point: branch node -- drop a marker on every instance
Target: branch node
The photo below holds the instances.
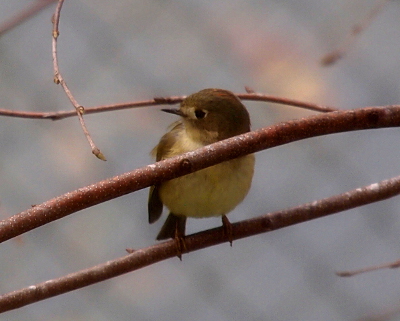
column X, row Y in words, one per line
column 186, row 164
column 56, row 79
column 249, row 90
column 96, row 152
column 56, row 33
column 80, row 110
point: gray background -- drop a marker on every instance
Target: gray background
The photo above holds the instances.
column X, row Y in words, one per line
column 120, row 51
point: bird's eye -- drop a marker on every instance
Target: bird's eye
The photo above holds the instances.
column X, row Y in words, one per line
column 200, row 113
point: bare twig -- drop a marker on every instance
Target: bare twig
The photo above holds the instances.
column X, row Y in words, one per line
column 285, row 101
column 159, row 252
column 387, row 314
column 58, row 79
column 24, row 14
column 92, row 110
column 351, row 38
column 391, row 265
column 159, row 101
column 249, row 90
column 324, row 124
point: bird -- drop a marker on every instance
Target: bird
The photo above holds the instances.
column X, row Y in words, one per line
column 206, row 117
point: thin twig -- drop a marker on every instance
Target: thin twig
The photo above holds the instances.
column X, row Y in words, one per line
column 58, row 79
column 387, row 314
column 391, row 265
column 280, row 134
column 159, row 101
column 24, row 14
column 285, row 101
column 159, row 252
column 249, row 90
column 353, row 35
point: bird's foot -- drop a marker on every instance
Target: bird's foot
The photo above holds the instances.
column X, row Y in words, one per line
column 181, row 247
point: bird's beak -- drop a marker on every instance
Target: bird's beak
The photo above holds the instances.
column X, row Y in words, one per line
column 174, row 111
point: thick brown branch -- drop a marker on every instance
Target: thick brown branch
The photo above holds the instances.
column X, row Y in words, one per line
column 156, row 253
column 234, row 147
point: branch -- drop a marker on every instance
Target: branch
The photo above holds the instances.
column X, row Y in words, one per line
column 349, row 41
column 24, row 14
column 285, row 101
column 390, row 265
column 159, row 252
column 160, row 101
column 58, row 79
column 387, row 314
column 283, row 133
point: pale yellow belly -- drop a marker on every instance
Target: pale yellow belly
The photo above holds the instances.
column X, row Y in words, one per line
column 213, row 191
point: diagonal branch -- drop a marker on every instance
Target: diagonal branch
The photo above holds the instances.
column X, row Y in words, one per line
column 285, row 101
column 349, row 41
column 159, row 252
column 283, row 133
column 390, row 265
column 24, row 14
column 58, row 79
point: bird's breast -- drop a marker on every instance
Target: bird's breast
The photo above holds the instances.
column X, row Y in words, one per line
column 211, row 191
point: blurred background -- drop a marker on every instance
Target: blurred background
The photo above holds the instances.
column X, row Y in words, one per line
column 121, row 51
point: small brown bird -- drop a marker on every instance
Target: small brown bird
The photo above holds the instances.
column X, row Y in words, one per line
column 207, row 116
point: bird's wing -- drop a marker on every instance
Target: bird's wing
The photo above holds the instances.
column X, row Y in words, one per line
column 161, row 151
